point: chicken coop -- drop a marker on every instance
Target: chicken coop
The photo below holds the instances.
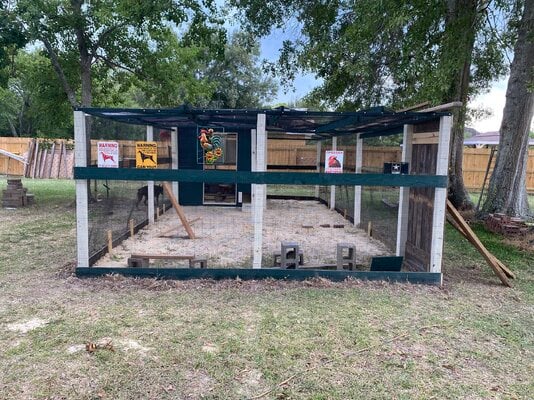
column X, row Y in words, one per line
column 270, row 193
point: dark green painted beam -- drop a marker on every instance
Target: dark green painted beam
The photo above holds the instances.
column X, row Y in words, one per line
column 271, row 178
column 430, row 278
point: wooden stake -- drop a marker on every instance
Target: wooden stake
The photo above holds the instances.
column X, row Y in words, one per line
column 179, row 210
column 131, row 223
column 345, row 213
column 157, row 212
column 490, row 258
column 110, row 240
column 370, row 229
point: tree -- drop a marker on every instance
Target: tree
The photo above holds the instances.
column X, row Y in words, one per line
column 82, row 38
column 238, row 79
column 11, row 39
column 393, row 52
column 507, row 191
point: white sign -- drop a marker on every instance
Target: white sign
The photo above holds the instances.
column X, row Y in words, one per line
column 108, row 155
column 333, row 162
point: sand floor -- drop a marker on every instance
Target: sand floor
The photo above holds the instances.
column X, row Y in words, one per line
column 225, row 236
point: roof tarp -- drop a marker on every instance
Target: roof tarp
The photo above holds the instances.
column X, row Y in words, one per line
column 378, row 121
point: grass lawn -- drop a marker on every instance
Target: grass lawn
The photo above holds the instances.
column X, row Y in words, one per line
column 471, row 339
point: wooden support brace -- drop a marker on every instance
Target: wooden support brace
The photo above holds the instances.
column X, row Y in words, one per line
column 472, row 237
column 179, row 210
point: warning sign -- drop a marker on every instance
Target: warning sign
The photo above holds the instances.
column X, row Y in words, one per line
column 146, row 154
column 333, row 162
column 108, row 154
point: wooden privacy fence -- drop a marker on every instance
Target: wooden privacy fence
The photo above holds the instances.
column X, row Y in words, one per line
column 54, row 158
column 476, row 162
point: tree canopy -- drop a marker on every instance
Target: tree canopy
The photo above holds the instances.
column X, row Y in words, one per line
column 394, row 52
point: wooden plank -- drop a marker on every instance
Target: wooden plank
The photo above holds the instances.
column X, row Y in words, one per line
column 490, row 258
column 280, row 178
column 61, row 145
column 35, row 159
column 27, row 165
column 453, row 222
column 65, row 161
column 263, row 273
column 163, row 256
column 53, row 154
column 179, row 210
column 42, row 168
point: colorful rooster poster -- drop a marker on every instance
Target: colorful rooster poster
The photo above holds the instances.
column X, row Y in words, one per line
column 212, row 145
column 333, row 162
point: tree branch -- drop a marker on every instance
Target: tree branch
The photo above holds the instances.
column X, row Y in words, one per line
column 113, row 64
column 59, row 71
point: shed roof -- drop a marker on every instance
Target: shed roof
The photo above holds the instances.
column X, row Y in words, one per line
column 377, row 121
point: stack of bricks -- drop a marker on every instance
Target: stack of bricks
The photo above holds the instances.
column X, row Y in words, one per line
column 15, row 195
column 505, row 225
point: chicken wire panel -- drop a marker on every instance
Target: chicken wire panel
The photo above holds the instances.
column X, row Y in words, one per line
column 379, row 213
column 115, row 207
column 316, row 229
column 223, row 237
column 113, row 204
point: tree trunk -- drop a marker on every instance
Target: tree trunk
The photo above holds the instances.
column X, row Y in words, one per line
column 462, row 20
column 507, row 192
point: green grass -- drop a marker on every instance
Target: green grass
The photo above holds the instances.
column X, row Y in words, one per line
column 473, row 338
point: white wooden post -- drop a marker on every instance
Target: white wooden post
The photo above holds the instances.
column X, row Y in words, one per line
column 440, row 195
column 252, row 168
column 82, row 209
column 333, row 188
column 150, row 138
column 260, row 195
column 318, row 166
column 404, row 194
column 174, row 155
column 358, row 189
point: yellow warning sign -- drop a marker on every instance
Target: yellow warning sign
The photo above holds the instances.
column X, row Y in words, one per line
column 146, row 154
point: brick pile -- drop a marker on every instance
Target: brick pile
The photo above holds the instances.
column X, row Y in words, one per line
column 505, row 225
column 15, row 195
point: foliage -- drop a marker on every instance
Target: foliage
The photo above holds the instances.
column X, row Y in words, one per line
column 12, row 38
column 238, row 79
column 33, row 91
column 113, row 40
column 389, row 52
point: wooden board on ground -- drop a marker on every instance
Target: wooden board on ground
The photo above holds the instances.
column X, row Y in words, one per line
column 179, row 210
column 466, row 231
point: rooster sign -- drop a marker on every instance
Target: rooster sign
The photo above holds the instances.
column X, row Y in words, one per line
column 333, row 162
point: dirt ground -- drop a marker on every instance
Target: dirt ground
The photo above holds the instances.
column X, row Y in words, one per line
column 225, row 235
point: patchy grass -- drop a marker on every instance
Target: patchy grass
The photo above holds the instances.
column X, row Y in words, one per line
column 237, row 340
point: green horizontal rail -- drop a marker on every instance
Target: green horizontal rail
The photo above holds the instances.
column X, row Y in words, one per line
column 430, row 278
column 270, row 178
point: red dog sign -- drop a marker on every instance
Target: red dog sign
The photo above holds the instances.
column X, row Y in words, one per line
column 108, row 155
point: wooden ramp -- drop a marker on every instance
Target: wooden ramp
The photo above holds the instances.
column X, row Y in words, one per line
column 456, row 220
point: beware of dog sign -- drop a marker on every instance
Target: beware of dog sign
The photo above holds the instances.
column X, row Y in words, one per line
column 108, row 154
column 146, row 154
